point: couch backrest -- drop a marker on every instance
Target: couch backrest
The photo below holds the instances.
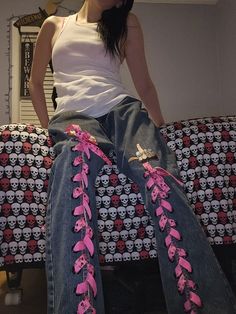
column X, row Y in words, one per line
column 206, row 156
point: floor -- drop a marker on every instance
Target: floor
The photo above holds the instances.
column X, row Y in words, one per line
column 118, row 288
column 34, row 296
column 33, row 284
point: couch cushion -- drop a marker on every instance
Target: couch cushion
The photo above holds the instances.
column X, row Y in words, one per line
column 125, row 227
column 26, row 156
column 206, row 156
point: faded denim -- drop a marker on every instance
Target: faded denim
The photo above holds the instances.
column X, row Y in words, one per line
column 121, row 129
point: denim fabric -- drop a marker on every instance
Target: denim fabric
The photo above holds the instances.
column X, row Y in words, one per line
column 121, row 129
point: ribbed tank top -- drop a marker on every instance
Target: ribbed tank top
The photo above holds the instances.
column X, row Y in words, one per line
column 87, row 79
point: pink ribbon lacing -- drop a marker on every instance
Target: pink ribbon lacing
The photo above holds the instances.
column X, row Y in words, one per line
column 88, row 286
column 183, row 268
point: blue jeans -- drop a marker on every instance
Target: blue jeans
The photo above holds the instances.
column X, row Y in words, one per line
column 125, row 126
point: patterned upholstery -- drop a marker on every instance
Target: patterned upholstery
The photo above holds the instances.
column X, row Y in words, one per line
column 206, row 156
column 26, row 156
column 126, row 231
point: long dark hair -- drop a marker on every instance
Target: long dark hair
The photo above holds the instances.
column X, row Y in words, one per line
column 112, row 27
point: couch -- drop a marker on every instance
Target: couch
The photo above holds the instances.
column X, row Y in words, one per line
column 205, row 150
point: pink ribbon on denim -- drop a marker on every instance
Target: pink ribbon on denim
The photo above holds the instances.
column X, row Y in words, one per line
column 84, row 306
column 86, row 143
column 159, row 192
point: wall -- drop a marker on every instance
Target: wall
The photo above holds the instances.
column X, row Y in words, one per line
column 227, row 53
column 181, row 52
column 182, row 48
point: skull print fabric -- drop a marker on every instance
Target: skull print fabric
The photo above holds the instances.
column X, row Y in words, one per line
column 125, row 228
column 205, row 151
column 206, row 156
column 26, row 157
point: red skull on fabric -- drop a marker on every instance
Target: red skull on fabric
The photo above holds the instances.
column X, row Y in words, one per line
column 232, row 180
column 193, row 162
column 141, row 232
column 6, row 209
column 30, row 220
column 118, row 224
column 230, row 157
column 30, row 128
column 28, row 196
column 139, row 209
column 114, row 179
column 144, row 255
column 46, row 184
column 199, row 208
column 4, row 184
column 49, row 141
column 32, row 245
column 5, row 135
column 213, row 170
column 209, row 147
column 222, row 216
column 7, row 235
column 26, row 171
column 202, row 128
column 187, row 141
column 217, row 193
column 120, row 246
column 27, row 147
column 9, row 259
column 196, row 184
column 227, row 240
column 225, row 135
column 177, row 125
column 47, row 161
column 135, row 187
column 115, row 200
column 4, row 159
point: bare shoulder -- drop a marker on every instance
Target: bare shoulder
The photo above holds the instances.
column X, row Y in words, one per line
column 135, row 33
column 54, row 19
column 53, row 22
column 134, row 28
column 50, row 29
column 132, row 20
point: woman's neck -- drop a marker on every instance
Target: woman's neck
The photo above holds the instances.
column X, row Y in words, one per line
column 89, row 13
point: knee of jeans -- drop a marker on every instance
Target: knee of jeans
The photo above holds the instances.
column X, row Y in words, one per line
column 63, row 146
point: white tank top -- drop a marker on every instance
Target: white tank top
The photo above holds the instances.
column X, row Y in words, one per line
column 87, row 79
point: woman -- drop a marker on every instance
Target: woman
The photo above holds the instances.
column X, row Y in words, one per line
column 94, row 115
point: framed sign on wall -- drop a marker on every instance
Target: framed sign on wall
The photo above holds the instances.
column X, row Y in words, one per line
column 22, row 109
column 27, row 48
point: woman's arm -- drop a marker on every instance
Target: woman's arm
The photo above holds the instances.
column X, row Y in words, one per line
column 136, row 61
column 42, row 56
